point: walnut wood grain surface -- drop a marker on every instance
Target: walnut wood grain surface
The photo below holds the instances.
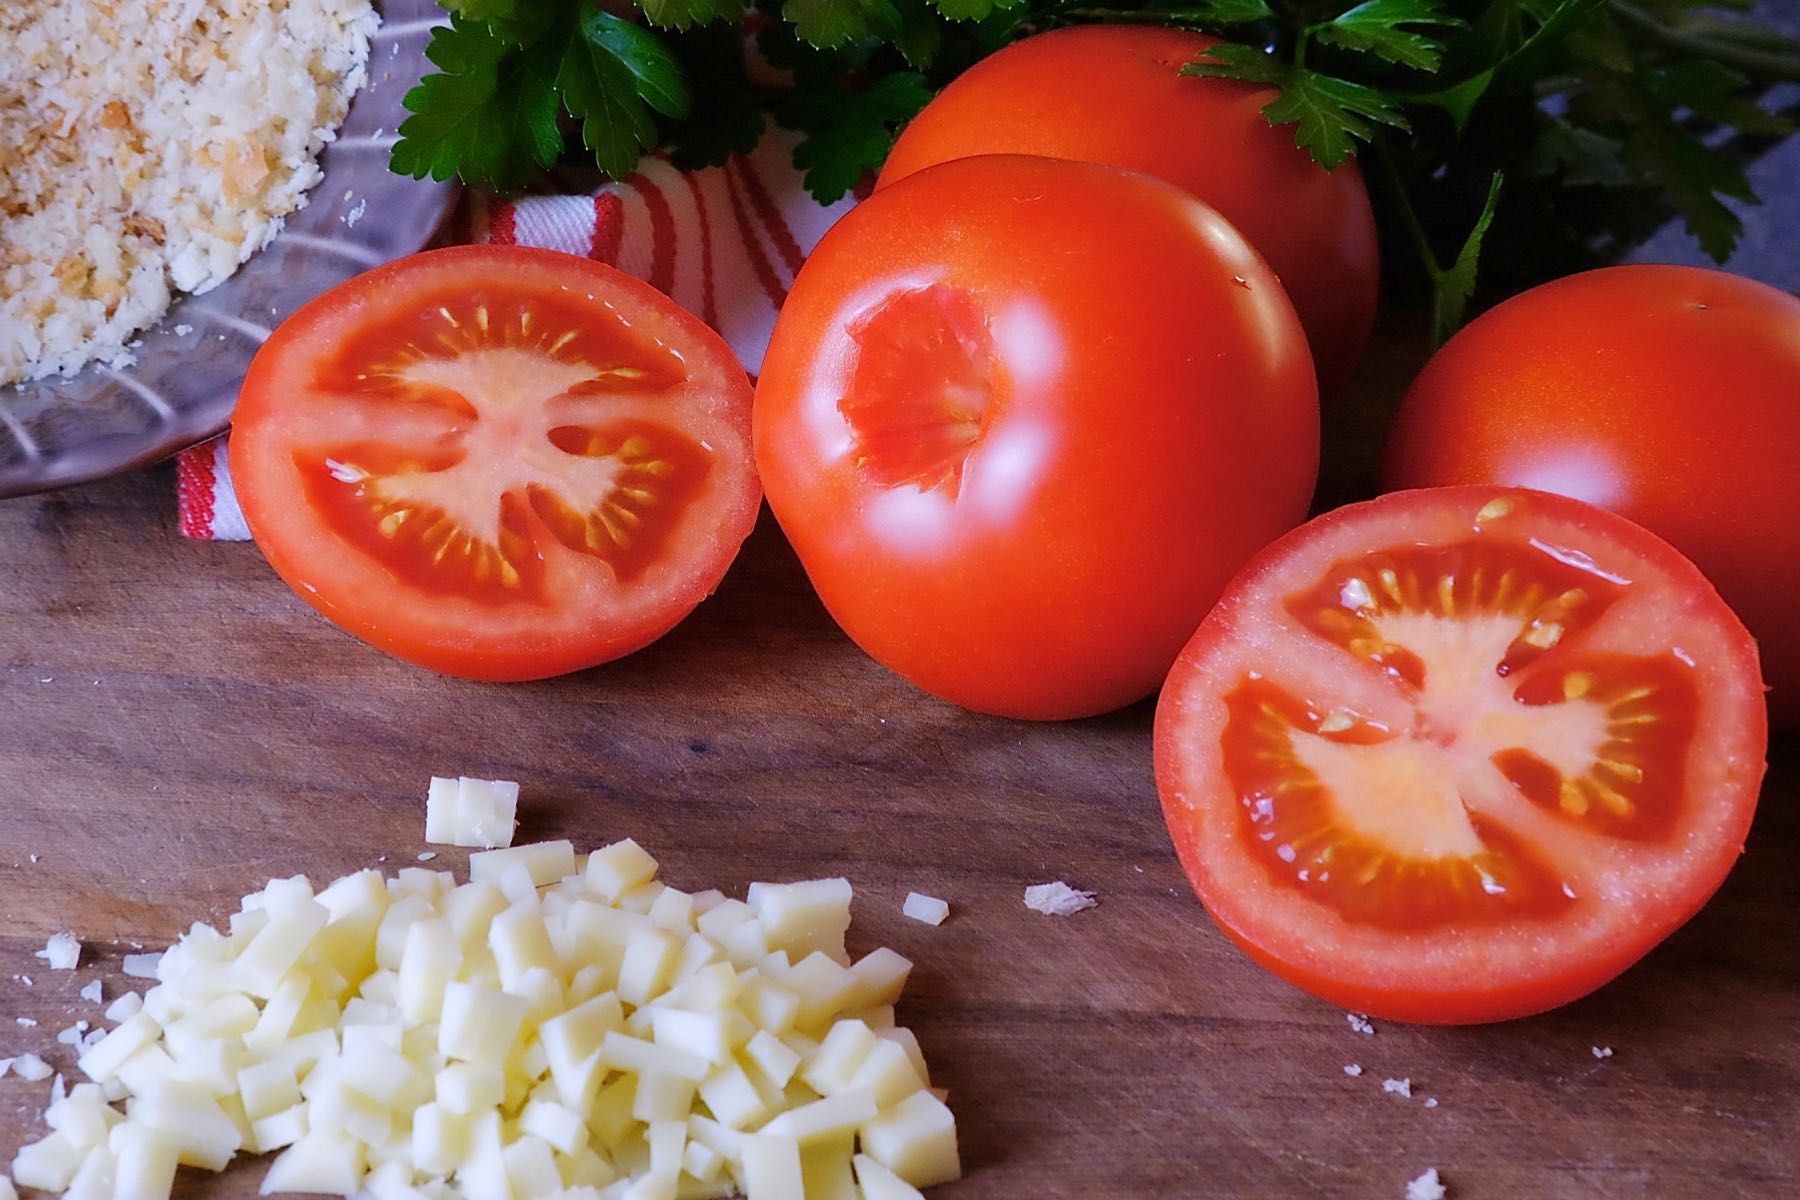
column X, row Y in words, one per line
column 176, row 728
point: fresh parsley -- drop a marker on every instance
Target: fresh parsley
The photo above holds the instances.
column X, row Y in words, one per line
column 1566, row 131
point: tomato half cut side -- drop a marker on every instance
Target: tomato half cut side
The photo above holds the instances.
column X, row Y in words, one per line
column 497, row 462
column 1461, row 754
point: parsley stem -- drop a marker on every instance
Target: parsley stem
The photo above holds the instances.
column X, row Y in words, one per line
column 1764, row 65
column 1403, row 202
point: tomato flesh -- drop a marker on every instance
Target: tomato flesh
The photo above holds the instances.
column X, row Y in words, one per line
column 1461, row 754
column 497, row 462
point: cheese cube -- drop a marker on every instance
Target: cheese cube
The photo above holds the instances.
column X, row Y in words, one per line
column 427, row 964
column 916, row 1140
column 668, row 1142
column 146, row 1069
column 280, row 1014
column 440, row 1139
column 825, row 989
column 887, row 1074
column 771, row 1169
column 929, row 909
column 520, row 941
column 830, row 1119
column 47, row 1165
column 662, row 1097
column 673, row 910
column 531, row 1168
column 587, row 982
column 479, row 1024
column 277, row 946
column 613, row 870
column 213, row 1064
column 825, row 1169
column 878, row 978
column 732, row 1098
column 471, row 812
column 95, row 1179
column 804, row 917
column 728, row 1144
column 146, row 1164
column 625, row 1053
column 382, row 1073
column 705, row 1034
column 609, row 1116
column 651, row 1187
column 544, row 862
column 648, row 964
column 879, row 1183
column 587, row 1168
column 104, row 1060
column 773, row 1058
column 328, row 1163
column 124, row 1007
column 559, row 1127
column 390, row 935
column 279, row 1129
column 768, row 1004
column 464, row 1088
column 908, row 1042
column 839, row 1056
column 82, row 1116
column 191, row 1119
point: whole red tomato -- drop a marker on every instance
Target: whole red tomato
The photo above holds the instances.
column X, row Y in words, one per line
column 1022, row 418
column 1668, row 394
column 1114, row 94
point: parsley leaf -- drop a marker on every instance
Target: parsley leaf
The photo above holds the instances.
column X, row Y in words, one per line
column 1379, row 27
column 518, row 22
column 973, row 10
column 829, row 23
column 1454, row 287
column 850, row 133
column 611, row 75
column 684, row 14
column 1330, row 114
column 1226, row 12
column 491, row 114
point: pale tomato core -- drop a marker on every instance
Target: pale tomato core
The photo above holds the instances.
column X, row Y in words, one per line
column 1407, row 827
column 483, row 410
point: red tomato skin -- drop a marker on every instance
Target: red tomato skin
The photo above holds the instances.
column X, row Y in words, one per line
column 1133, row 109
column 1670, row 395
column 1387, row 992
column 1159, row 424
column 360, row 597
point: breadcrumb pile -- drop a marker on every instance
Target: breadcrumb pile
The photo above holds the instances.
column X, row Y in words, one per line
column 149, row 147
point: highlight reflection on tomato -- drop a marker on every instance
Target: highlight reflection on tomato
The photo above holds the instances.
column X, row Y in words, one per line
column 1021, row 418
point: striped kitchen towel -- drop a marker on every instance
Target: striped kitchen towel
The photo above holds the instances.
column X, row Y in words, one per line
column 724, row 242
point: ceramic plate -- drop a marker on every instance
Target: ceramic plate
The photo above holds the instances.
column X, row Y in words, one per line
column 102, row 422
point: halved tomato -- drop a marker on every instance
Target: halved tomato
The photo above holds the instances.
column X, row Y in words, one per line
column 497, row 462
column 1461, row 754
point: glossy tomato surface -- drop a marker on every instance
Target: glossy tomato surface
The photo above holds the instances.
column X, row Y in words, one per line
column 1668, row 394
column 1022, row 418
column 1461, row 754
column 497, row 462
column 1114, row 94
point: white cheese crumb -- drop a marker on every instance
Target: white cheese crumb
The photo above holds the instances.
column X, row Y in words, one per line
column 7, row 1190
column 355, row 214
column 1426, row 1187
column 142, row 966
column 1602, row 1051
column 36, row 858
column 30, row 1068
column 26, row 1023
column 1431, row 1102
column 1399, row 1087
column 928, row 909
column 1353, row 1069
column 92, row 993
column 183, row 330
column 61, row 952
column 1360, row 1023
column 72, row 1035
column 1057, row 899
column 24, row 979
column 428, row 856
column 124, row 1007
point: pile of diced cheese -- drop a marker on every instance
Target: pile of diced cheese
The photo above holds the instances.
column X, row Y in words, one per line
column 560, row 1025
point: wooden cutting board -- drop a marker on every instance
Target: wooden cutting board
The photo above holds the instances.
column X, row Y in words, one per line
column 176, row 728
